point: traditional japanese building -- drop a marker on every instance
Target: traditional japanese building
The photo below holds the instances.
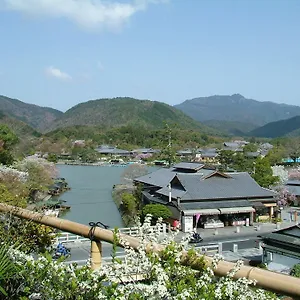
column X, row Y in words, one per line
column 199, row 196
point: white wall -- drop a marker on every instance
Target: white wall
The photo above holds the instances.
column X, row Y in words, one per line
column 280, row 262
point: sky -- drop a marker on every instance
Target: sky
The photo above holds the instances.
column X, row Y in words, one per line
column 59, row 53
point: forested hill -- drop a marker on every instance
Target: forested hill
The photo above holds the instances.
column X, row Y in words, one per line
column 35, row 116
column 289, row 127
column 21, row 129
column 117, row 112
column 236, row 108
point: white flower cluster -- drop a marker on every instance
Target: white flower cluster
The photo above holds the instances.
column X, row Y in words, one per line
column 25, row 165
column 141, row 275
column 281, row 172
column 5, row 170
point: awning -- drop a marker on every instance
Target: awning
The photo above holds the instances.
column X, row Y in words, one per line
column 236, row 210
column 207, row 211
column 258, row 204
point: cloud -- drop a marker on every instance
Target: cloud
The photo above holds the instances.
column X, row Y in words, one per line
column 57, row 73
column 91, row 14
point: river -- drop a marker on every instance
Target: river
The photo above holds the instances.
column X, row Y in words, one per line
column 90, row 195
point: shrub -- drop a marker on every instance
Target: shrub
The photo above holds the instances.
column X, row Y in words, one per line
column 164, row 276
column 295, row 271
column 156, row 211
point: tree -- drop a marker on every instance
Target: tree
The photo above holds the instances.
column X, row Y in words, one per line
column 129, row 204
column 251, row 147
column 156, row 211
column 263, row 174
column 241, row 163
column 7, row 140
column 52, row 157
column 295, row 271
column 293, row 148
column 275, row 155
column 226, row 158
column 133, row 171
column 40, row 173
column 169, row 153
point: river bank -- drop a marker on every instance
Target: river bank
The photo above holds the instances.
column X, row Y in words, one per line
column 117, row 191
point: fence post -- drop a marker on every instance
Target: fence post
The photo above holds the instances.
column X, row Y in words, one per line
column 235, row 248
column 220, row 248
column 96, row 255
column 164, row 227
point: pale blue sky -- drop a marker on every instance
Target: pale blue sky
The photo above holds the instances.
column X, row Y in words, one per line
column 63, row 52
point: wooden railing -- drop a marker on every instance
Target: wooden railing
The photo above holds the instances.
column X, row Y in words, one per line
column 279, row 283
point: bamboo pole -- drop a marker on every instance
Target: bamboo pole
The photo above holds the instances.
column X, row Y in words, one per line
column 96, row 255
column 276, row 282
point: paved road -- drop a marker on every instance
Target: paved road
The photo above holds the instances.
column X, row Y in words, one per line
column 244, row 242
column 80, row 251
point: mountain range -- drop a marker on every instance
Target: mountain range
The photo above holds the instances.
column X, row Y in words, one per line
column 289, row 127
column 248, row 113
column 119, row 111
column 235, row 115
column 39, row 118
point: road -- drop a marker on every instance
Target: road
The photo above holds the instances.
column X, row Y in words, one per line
column 243, row 242
column 80, row 251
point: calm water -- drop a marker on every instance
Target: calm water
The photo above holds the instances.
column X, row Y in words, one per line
column 90, row 195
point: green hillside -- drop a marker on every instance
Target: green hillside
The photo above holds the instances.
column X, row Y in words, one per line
column 35, row 116
column 21, row 129
column 116, row 112
column 289, row 127
column 130, row 137
column 234, row 128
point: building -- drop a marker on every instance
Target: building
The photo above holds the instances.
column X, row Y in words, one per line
column 281, row 249
column 145, row 151
column 79, row 143
column 293, row 187
column 199, row 196
column 112, row 151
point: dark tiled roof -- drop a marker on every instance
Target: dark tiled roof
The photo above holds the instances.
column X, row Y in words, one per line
column 188, row 166
column 252, row 154
column 209, row 154
column 215, row 204
column 158, row 178
column 241, row 185
column 290, row 235
column 175, row 193
column 184, row 152
column 146, row 150
column 163, row 176
column 112, row 151
column 293, row 189
column 293, row 182
column 231, row 145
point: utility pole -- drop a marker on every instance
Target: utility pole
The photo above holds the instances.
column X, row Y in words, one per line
column 169, row 147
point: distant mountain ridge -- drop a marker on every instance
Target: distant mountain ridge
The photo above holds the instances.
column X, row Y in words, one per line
column 122, row 111
column 35, row 116
column 236, row 108
column 21, row 129
column 289, row 127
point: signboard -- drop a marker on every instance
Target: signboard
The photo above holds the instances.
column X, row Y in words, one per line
column 187, row 223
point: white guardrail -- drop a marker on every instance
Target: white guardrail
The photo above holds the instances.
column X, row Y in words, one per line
column 66, row 237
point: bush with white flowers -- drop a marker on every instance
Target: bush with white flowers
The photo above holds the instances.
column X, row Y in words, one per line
column 163, row 276
column 281, row 172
